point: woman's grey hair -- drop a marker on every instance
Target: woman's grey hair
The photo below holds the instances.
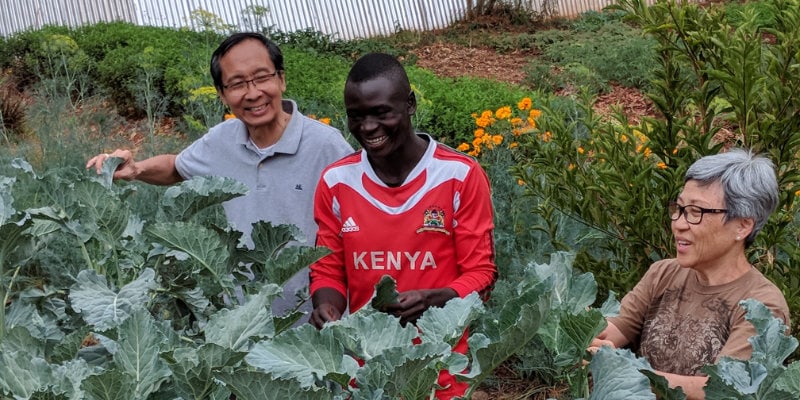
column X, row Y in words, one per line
column 748, row 182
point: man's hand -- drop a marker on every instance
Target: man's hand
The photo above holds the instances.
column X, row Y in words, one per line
column 329, row 305
column 411, row 304
column 126, row 171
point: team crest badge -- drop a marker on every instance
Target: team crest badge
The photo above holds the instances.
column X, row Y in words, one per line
column 433, row 220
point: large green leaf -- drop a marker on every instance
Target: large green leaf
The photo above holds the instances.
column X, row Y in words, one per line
column 22, row 374
column 193, row 369
column 616, row 376
column 755, row 378
column 182, row 201
column 447, row 324
column 517, row 324
column 103, row 307
column 200, row 250
column 276, row 256
column 42, row 325
column 368, row 334
column 138, row 354
column 109, row 385
column 789, row 381
column 385, row 293
column 235, row 329
column 254, row 385
column 407, row 372
column 302, row 354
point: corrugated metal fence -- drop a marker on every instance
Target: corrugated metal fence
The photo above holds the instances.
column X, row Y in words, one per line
column 344, row 19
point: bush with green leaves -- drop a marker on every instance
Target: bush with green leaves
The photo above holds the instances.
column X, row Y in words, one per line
column 596, row 49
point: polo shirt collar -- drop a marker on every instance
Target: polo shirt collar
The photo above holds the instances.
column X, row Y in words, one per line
column 289, row 142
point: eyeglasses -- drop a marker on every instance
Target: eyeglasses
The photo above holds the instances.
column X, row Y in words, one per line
column 693, row 214
column 258, row 81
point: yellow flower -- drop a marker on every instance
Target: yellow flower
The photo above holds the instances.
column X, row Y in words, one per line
column 229, row 116
column 797, row 193
column 503, row 112
column 580, row 150
column 524, row 104
column 647, row 152
column 571, row 166
column 497, row 139
column 463, row 147
column 520, row 182
column 623, row 138
column 663, row 165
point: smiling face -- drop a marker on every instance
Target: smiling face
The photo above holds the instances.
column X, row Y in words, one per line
column 711, row 245
column 259, row 106
column 379, row 116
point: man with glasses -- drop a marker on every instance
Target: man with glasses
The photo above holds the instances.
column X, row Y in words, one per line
column 685, row 313
column 270, row 146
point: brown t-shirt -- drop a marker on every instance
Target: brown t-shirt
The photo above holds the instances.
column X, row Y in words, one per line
column 679, row 325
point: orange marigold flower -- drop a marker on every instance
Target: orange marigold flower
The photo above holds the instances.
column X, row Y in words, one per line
column 623, row 138
column 525, row 103
column 229, row 116
column 483, row 122
column 520, row 182
column 797, row 193
column 503, row 112
column 662, row 165
column 516, row 121
column 325, row 120
column 463, row 147
column 497, row 139
column 580, row 150
column 534, row 113
column 476, row 143
column 479, row 132
column 675, row 151
column 571, row 166
column 647, row 152
column 532, row 123
column 487, row 114
column 512, row 145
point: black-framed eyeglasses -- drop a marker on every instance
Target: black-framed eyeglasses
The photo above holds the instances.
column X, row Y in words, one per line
column 258, row 81
column 693, row 214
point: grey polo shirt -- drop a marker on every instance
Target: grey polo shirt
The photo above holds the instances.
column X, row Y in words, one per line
column 281, row 181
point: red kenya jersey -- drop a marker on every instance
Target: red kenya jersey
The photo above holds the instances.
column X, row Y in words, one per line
column 434, row 231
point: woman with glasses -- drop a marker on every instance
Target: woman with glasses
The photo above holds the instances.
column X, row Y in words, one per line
column 270, row 146
column 685, row 313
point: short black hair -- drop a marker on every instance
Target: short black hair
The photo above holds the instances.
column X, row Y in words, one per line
column 374, row 65
column 274, row 53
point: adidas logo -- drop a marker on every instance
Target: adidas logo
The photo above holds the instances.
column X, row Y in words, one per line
column 350, row 225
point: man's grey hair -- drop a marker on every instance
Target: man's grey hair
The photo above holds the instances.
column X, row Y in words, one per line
column 748, row 182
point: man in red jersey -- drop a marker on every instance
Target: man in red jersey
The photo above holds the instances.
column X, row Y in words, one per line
column 404, row 206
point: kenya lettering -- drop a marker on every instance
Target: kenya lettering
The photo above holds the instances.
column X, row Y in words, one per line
column 386, row 260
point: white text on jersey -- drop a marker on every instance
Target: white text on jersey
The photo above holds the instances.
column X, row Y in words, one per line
column 386, row 260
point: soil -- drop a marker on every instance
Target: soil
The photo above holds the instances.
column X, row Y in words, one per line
column 452, row 60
